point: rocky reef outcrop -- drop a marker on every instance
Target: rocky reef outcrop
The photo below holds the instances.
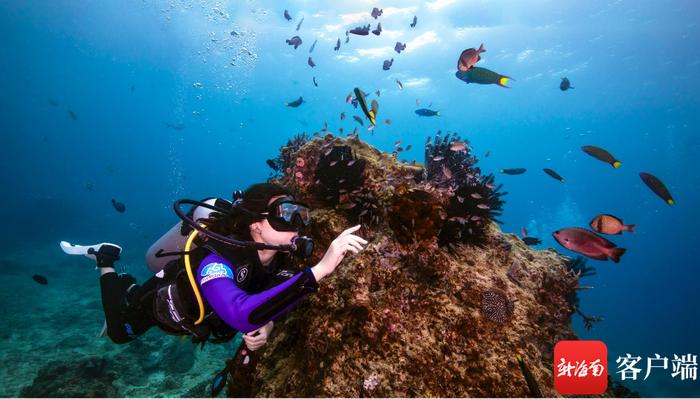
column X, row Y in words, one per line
column 439, row 302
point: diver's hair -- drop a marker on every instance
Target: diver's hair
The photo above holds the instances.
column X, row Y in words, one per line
column 238, row 220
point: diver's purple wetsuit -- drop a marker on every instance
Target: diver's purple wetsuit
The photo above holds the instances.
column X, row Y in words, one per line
column 243, row 311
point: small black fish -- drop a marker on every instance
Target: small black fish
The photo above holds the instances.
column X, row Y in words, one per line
column 118, row 206
column 300, row 22
column 40, row 279
column 554, row 174
column 378, row 30
column 72, row 115
column 337, row 45
column 399, row 47
column 311, row 62
column 532, row 241
column 358, row 120
column 287, row 16
column 657, row 186
column 271, row 163
column 532, row 384
column 565, row 84
column 294, row 41
column 360, row 30
column 415, row 21
column 387, row 64
column 378, row 93
column 313, row 46
column 52, row 102
column 315, row 83
column 295, row 103
column 514, row 171
column 377, row 12
column 602, row 155
column 342, row 116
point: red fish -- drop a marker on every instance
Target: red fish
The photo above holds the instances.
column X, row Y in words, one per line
column 609, row 224
column 588, row 243
column 469, row 57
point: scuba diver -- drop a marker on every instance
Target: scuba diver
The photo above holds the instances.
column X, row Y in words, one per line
column 224, row 270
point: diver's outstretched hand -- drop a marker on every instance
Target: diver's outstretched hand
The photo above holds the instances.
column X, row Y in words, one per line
column 345, row 242
column 257, row 338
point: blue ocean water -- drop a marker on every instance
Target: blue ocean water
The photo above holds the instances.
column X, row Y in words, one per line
column 186, row 99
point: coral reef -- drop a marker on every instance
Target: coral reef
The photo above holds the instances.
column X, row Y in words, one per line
column 431, row 306
column 68, row 379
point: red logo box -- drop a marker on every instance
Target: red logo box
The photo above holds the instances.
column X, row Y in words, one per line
column 580, row 367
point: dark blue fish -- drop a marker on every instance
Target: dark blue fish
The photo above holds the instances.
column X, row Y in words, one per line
column 295, row 103
column 358, row 120
column 514, row 171
column 294, row 41
column 52, row 102
column 347, row 39
column 300, row 22
column 378, row 30
column 532, row 241
column 72, row 115
column 565, row 84
column 313, row 46
column 118, row 206
column 399, row 47
column 427, row 112
column 415, row 21
column 337, row 45
column 360, row 30
column 387, row 64
column 377, row 12
column 40, row 279
column 315, row 83
column 287, row 16
column 311, row 62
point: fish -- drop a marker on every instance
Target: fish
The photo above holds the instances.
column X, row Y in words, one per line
column 387, row 121
column 376, row 12
column 415, row 21
column 483, row 206
column 399, row 47
column 378, row 93
column 554, row 174
column 315, row 83
column 458, row 146
column 523, row 231
column 532, row 384
column 408, row 147
column 469, row 57
column 602, row 155
column 349, row 98
column 532, row 241
column 337, row 45
column 609, row 224
column 438, row 158
column 342, row 116
column 397, row 143
column 374, row 109
column 287, row 16
column 371, row 114
column 398, row 83
column 565, row 84
column 427, row 112
column 347, row 39
column 378, row 30
column 514, row 171
column 300, row 22
column 118, row 206
column 313, row 46
column 40, row 279
column 175, row 126
column 657, row 186
column 358, row 120
column 310, row 62
column 73, row 115
column 271, row 163
column 483, row 76
column 294, row 41
column 295, row 103
column 88, row 186
column 387, row 64
column 488, row 154
column 446, row 171
column 52, row 102
column 360, row 30
column 588, row 243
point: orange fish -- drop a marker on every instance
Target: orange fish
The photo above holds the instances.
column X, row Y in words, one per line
column 469, row 57
column 609, row 224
